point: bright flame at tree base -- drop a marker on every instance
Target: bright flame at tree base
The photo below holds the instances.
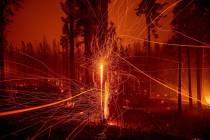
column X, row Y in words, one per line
column 106, row 101
column 101, row 93
column 104, row 94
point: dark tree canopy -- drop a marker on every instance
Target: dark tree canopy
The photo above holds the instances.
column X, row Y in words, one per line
column 192, row 18
column 151, row 9
column 7, row 8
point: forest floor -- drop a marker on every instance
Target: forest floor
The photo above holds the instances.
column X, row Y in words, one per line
column 135, row 123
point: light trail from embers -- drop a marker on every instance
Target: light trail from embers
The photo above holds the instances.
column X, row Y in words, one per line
column 13, row 112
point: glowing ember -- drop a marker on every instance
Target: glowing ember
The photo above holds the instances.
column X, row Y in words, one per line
column 207, row 100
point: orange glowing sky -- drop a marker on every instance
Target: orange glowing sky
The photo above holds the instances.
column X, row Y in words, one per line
column 39, row 18
column 36, row 19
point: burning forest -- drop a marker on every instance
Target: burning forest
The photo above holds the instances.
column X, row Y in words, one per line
column 104, row 69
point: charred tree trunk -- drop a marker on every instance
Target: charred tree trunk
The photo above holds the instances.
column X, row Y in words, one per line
column 104, row 21
column 189, row 78
column 1, row 60
column 2, row 76
column 148, row 52
column 180, row 81
column 71, row 42
column 199, row 76
column 148, row 35
column 87, row 40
